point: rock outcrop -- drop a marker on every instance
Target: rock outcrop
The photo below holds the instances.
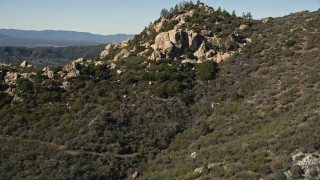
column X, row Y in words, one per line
column 173, row 43
column 178, row 36
column 308, row 163
column 123, row 53
column 24, row 64
column 11, row 78
column 222, row 56
column 116, row 46
column 73, row 69
column 106, row 51
column 48, row 72
column 201, row 52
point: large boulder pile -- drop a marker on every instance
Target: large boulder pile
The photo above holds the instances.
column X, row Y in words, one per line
column 48, row 72
column 182, row 41
column 73, row 69
column 11, row 78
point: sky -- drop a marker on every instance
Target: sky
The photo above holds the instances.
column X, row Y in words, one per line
column 123, row 16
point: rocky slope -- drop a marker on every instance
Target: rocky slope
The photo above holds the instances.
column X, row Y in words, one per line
column 195, row 32
column 253, row 115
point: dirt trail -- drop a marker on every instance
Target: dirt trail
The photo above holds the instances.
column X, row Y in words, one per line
column 65, row 149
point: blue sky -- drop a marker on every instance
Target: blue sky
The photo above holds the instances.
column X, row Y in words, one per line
column 123, row 16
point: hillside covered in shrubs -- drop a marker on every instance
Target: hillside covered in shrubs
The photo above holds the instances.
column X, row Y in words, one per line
column 204, row 95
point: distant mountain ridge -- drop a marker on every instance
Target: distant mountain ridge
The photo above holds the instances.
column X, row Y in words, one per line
column 33, row 38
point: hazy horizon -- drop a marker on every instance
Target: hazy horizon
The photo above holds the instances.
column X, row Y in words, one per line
column 123, row 16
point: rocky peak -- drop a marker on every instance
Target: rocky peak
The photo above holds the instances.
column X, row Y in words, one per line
column 191, row 31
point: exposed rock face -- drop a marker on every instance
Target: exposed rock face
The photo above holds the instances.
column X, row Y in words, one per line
column 135, row 175
column 73, row 69
column 113, row 66
column 243, row 26
column 201, row 52
column 5, row 65
column 123, row 53
column 195, row 40
column 193, row 155
column 182, row 40
column 106, row 51
column 24, row 64
column 48, row 72
column 65, row 85
column 11, row 78
column 111, row 47
column 173, row 43
column 308, row 163
column 159, row 25
column 222, row 56
column 99, row 63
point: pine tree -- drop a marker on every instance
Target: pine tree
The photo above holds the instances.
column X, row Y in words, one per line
column 164, row 13
column 234, row 13
column 249, row 16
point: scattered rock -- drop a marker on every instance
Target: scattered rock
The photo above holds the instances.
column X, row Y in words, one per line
column 113, row 66
column 73, row 69
column 186, row 61
column 135, row 175
column 248, row 40
column 193, row 155
column 24, row 64
column 10, row 91
column 65, row 85
column 243, row 26
column 106, row 51
column 206, row 33
column 5, row 65
column 79, row 61
column 99, row 63
column 214, row 104
column 199, row 170
column 27, row 75
column 119, row 72
column 48, row 72
column 123, row 53
column 308, row 163
column 222, row 56
column 11, row 78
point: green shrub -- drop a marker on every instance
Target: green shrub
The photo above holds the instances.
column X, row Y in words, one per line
column 290, row 43
column 4, row 99
column 206, row 70
column 24, row 85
